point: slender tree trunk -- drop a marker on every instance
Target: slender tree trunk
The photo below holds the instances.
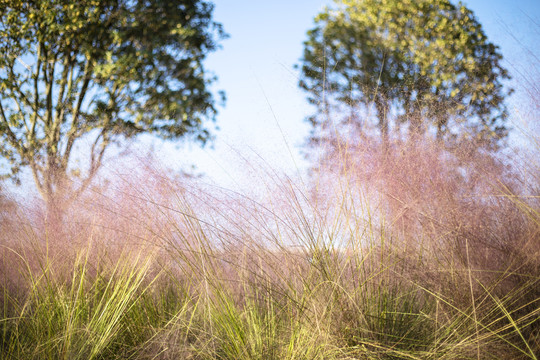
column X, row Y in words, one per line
column 382, row 112
column 416, row 126
column 441, row 123
column 55, row 214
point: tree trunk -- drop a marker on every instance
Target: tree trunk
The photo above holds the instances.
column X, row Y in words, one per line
column 382, row 112
column 54, row 216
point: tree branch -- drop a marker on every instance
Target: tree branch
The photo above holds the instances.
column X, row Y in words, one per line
column 72, row 133
column 36, row 171
column 49, row 80
column 36, row 94
column 18, row 93
column 59, row 112
column 11, row 135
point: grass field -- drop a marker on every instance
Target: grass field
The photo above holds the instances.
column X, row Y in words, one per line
column 408, row 253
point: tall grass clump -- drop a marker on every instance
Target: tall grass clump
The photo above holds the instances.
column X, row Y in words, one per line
column 405, row 251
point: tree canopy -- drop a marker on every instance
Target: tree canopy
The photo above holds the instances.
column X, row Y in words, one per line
column 101, row 70
column 426, row 64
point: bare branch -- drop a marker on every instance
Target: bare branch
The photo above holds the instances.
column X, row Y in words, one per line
column 36, row 171
column 60, row 103
column 36, row 94
column 49, row 80
column 73, row 134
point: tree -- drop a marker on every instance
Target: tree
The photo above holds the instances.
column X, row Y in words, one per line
column 99, row 70
column 427, row 62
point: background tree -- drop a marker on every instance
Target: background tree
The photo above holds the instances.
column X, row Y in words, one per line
column 101, row 70
column 428, row 62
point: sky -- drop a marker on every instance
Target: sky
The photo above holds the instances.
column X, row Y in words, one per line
column 264, row 112
column 264, row 116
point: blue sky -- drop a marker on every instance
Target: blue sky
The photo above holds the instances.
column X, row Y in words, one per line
column 265, row 110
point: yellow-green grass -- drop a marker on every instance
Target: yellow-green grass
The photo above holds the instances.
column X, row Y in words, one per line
column 406, row 261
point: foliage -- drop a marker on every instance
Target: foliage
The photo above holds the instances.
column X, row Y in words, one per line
column 428, row 62
column 99, row 70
